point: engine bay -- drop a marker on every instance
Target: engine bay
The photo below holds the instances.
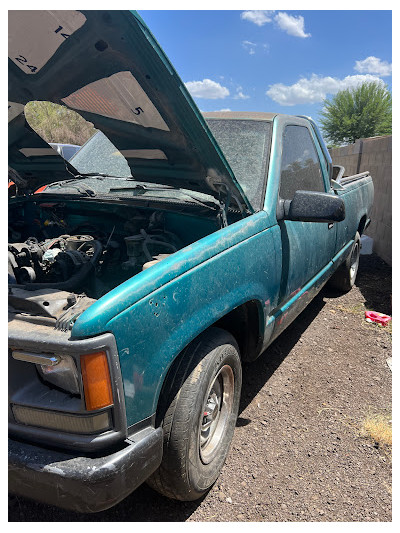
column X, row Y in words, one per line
column 64, row 255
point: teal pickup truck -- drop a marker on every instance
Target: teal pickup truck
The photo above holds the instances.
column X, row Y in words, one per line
column 171, row 248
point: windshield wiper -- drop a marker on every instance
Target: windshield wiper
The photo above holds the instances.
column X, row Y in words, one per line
column 70, row 183
column 100, row 176
column 142, row 189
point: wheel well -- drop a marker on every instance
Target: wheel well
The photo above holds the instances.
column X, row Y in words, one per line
column 361, row 225
column 243, row 323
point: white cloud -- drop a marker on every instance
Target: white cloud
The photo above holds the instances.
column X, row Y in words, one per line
column 291, row 24
column 314, row 89
column 241, row 96
column 207, row 89
column 257, row 17
column 216, row 110
column 374, row 65
column 249, row 46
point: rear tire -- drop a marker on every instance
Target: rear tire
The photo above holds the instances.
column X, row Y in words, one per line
column 345, row 276
column 199, row 405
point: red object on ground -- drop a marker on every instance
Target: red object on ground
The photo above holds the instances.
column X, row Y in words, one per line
column 380, row 318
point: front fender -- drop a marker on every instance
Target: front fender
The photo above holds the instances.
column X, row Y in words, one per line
column 154, row 330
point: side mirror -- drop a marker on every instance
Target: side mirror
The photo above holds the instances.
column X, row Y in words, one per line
column 310, row 206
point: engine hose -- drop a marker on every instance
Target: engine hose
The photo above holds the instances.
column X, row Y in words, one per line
column 152, row 239
column 71, row 283
column 55, row 240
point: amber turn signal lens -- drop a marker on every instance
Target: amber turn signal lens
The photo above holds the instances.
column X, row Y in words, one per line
column 96, row 380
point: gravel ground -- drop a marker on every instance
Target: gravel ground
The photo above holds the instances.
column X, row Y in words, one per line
column 297, row 453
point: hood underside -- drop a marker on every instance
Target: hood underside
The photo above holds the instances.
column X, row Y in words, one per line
column 108, row 67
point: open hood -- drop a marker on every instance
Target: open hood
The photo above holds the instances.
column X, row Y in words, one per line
column 108, row 67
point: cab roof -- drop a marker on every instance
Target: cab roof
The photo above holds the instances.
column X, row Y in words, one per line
column 247, row 115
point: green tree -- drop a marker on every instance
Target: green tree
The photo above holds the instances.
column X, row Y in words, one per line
column 58, row 124
column 364, row 111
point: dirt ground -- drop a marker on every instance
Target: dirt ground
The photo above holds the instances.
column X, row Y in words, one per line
column 298, row 452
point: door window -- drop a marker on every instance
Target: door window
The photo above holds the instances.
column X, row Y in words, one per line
column 300, row 170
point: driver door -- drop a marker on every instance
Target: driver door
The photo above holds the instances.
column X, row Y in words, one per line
column 307, row 247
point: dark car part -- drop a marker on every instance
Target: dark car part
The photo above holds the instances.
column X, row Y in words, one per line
column 63, row 306
column 199, row 406
column 80, row 483
column 345, row 276
column 145, row 247
column 88, row 256
column 311, row 206
column 61, row 263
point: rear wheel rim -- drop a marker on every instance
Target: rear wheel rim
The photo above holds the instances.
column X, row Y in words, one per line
column 216, row 413
column 354, row 261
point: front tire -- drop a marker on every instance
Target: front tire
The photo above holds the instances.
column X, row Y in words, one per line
column 199, row 403
column 345, row 276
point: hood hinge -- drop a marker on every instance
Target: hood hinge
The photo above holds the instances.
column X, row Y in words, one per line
column 224, row 202
column 14, row 176
column 222, row 215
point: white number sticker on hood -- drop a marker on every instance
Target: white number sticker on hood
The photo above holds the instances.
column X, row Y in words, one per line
column 121, row 97
column 35, row 36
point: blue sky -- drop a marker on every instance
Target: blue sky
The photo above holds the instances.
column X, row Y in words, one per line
column 280, row 61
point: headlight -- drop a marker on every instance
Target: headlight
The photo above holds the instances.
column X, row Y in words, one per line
column 63, row 374
column 59, row 370
column 86, row 375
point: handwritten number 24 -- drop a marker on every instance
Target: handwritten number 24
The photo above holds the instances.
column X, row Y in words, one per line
column 24, row 61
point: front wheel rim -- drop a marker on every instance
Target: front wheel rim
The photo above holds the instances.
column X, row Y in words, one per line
column 216, row 413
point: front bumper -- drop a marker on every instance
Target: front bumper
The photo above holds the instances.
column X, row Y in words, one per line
column 83, row 484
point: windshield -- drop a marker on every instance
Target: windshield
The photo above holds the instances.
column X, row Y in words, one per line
column 245, row 144
column 99, row 155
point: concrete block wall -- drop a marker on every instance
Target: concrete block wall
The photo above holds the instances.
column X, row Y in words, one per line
column 373, row 154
